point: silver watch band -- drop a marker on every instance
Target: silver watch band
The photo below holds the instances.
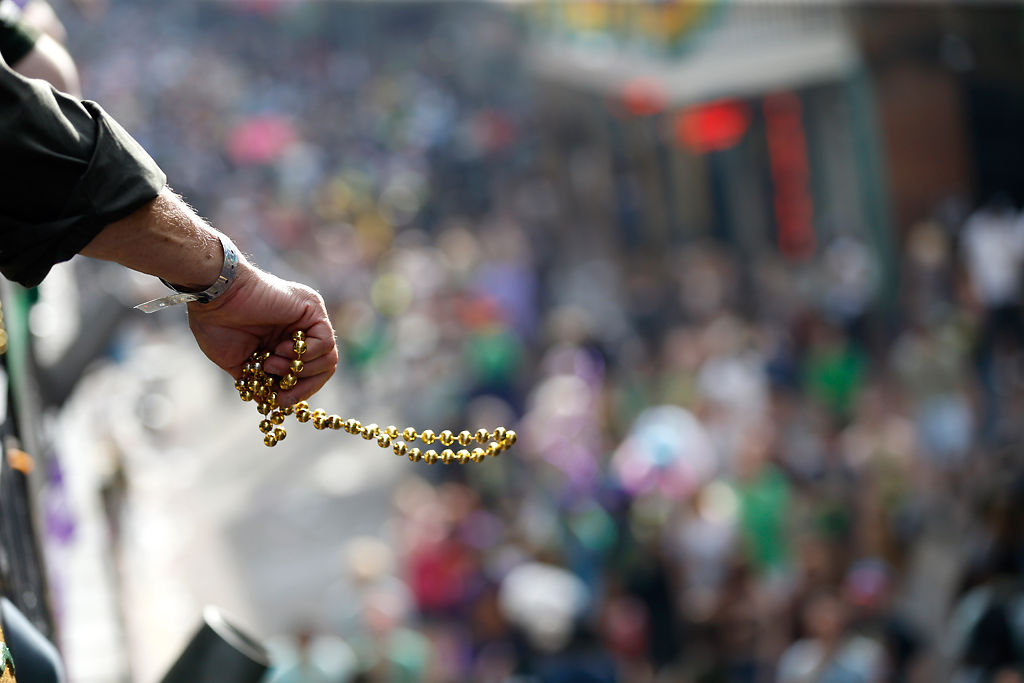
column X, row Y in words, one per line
column 227, row 275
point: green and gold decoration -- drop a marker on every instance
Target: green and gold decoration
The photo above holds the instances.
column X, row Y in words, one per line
column 6, row 661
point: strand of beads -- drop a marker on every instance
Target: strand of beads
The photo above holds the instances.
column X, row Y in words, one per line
column 259, row 386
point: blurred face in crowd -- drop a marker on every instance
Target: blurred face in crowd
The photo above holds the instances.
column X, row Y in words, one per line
column 825, row 618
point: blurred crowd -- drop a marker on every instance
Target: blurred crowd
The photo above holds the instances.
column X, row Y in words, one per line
column 729, row 469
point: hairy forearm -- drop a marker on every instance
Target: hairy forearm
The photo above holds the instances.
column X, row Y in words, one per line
column 259, row 311
column 165, row 238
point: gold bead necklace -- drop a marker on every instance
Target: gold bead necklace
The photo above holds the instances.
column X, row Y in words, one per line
column 259, row 386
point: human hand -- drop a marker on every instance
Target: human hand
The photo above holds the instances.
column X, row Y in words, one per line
column 260, row 312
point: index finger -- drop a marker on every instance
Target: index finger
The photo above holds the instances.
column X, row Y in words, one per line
column 319, row 342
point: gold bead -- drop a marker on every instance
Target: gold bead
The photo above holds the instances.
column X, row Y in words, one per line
column 430, row 457
column 287, row 410
column 462, row 456
column 335, row 422
column 482, row 435
column 246, row 396
column 247, row 368
column 399, row 448
column 302, row 405
column 270, row 440
column 276, row 417
column 257, row 367
column 260, row 392
column 384, row 440
column 353, row 426
column 371, row 431
column 510, row 439
column 240, row 385
column 298, row 335
column 409, row 434
column 296, row 366
column 263, row 355
column 427, row 436
column 266, row 426
column 415, row 455
column 280, row 433
column 465, row 437
column 493, row 448
column 446, row 437
column 392, row 431
column 303, row 415
column 299, row 347
column 447, row 455
column 289, row 381
column 263, row 407
column 319, row 419
column 499, row 434
column 478, row 454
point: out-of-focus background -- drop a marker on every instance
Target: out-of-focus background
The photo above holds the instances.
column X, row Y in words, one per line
column 745, row 278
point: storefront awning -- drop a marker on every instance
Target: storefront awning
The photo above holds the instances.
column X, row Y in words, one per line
column 702, row 75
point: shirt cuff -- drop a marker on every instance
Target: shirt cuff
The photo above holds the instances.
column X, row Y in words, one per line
column 119, row 178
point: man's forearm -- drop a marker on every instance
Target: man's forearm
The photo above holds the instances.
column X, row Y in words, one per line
column 164, row 238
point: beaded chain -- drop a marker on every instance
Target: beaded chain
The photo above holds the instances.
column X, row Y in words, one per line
column 261, row 387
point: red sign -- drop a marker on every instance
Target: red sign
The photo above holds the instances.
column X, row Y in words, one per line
column 787, row 150
column 642, row 97
column 712, row 127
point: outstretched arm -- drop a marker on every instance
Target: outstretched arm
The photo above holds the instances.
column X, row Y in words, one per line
column 258, row 311
column 73, row 181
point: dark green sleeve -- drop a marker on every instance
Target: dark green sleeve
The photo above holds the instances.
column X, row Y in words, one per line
column 67, row 170
column 16, row 40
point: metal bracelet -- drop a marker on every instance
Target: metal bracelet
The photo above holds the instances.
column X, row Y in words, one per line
column 227, row 275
